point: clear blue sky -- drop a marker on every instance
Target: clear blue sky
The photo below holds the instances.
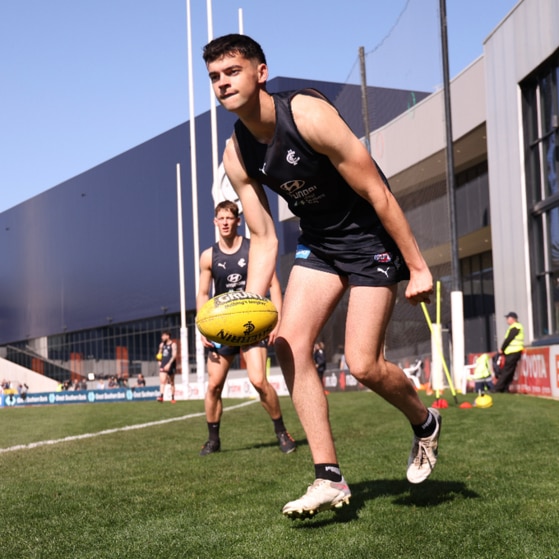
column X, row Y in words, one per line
column 85, row 80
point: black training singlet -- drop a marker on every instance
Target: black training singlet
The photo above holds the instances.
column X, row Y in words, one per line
column 334, row 218
column 167, row 354
column 229, row 271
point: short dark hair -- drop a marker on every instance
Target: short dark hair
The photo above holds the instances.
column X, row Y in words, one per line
column 228, row 205
column 233, row 43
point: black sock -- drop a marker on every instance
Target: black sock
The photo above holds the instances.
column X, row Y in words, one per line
column 279, row 427
column 213, row 431
column 427, row 428
column 330, row 472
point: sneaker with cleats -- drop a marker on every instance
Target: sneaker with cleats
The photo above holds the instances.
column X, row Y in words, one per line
column 210, row 447
column 322, row 495
column 424, row 451
column 286, row 442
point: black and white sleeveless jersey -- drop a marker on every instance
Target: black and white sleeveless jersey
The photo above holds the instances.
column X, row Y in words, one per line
column 167, row 353
column 229, row 271
column 333, row 217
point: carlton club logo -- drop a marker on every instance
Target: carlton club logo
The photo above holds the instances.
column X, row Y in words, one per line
column 249, row 328
column 291, row 158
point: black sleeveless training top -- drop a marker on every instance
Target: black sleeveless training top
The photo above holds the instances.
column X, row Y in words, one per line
column 333, row 217
column 229, row 271
column 167, row 354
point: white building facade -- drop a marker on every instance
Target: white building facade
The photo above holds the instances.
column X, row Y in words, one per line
column 505, row 116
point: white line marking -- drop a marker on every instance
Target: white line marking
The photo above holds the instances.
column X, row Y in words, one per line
column 117, row 430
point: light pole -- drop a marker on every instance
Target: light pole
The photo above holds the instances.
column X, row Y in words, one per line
column 456, row 297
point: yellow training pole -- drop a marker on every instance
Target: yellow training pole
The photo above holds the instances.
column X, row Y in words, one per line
column 438, row 302
column 438, row 319
column 441, row 355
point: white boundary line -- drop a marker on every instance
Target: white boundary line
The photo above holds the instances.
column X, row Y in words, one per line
column 116, row 430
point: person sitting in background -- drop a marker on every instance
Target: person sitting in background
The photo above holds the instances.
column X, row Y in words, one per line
column 122, row 381
column 482, row 373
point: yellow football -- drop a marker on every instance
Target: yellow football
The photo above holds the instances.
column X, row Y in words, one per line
column 237, row 318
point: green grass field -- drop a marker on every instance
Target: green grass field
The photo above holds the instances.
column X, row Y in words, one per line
column 145, row 493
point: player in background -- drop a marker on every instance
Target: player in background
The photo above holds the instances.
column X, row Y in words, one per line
column 167, row 357
column 226, row 263
column 354, row 236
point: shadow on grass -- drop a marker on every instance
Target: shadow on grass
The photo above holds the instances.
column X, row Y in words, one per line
column 273, row 444
column 428, row 494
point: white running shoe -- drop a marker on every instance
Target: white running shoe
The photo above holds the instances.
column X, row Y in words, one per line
column 322, row 495
column 423, row 456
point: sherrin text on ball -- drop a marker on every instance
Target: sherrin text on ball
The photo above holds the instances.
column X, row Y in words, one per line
column 237, row 318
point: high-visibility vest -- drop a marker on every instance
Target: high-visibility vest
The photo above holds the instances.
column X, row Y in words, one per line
column 517, row 344
column 482, row 369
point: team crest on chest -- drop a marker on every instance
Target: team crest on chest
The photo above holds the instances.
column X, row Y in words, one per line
column 291, row 158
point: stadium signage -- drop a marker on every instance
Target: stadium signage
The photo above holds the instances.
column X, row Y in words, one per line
column 80, row 397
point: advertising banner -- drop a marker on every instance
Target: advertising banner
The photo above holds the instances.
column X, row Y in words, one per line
column 534, row 373
column 554, row 370
column 80, row 397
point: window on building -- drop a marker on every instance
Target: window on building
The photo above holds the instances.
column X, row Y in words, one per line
column 472, row 199
column 540, row 107
column 479, row 302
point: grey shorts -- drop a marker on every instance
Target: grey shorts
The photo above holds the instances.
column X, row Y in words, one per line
column 360, row 269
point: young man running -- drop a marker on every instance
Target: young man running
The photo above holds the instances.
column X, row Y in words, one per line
column 354, row 236
column 225, row 263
